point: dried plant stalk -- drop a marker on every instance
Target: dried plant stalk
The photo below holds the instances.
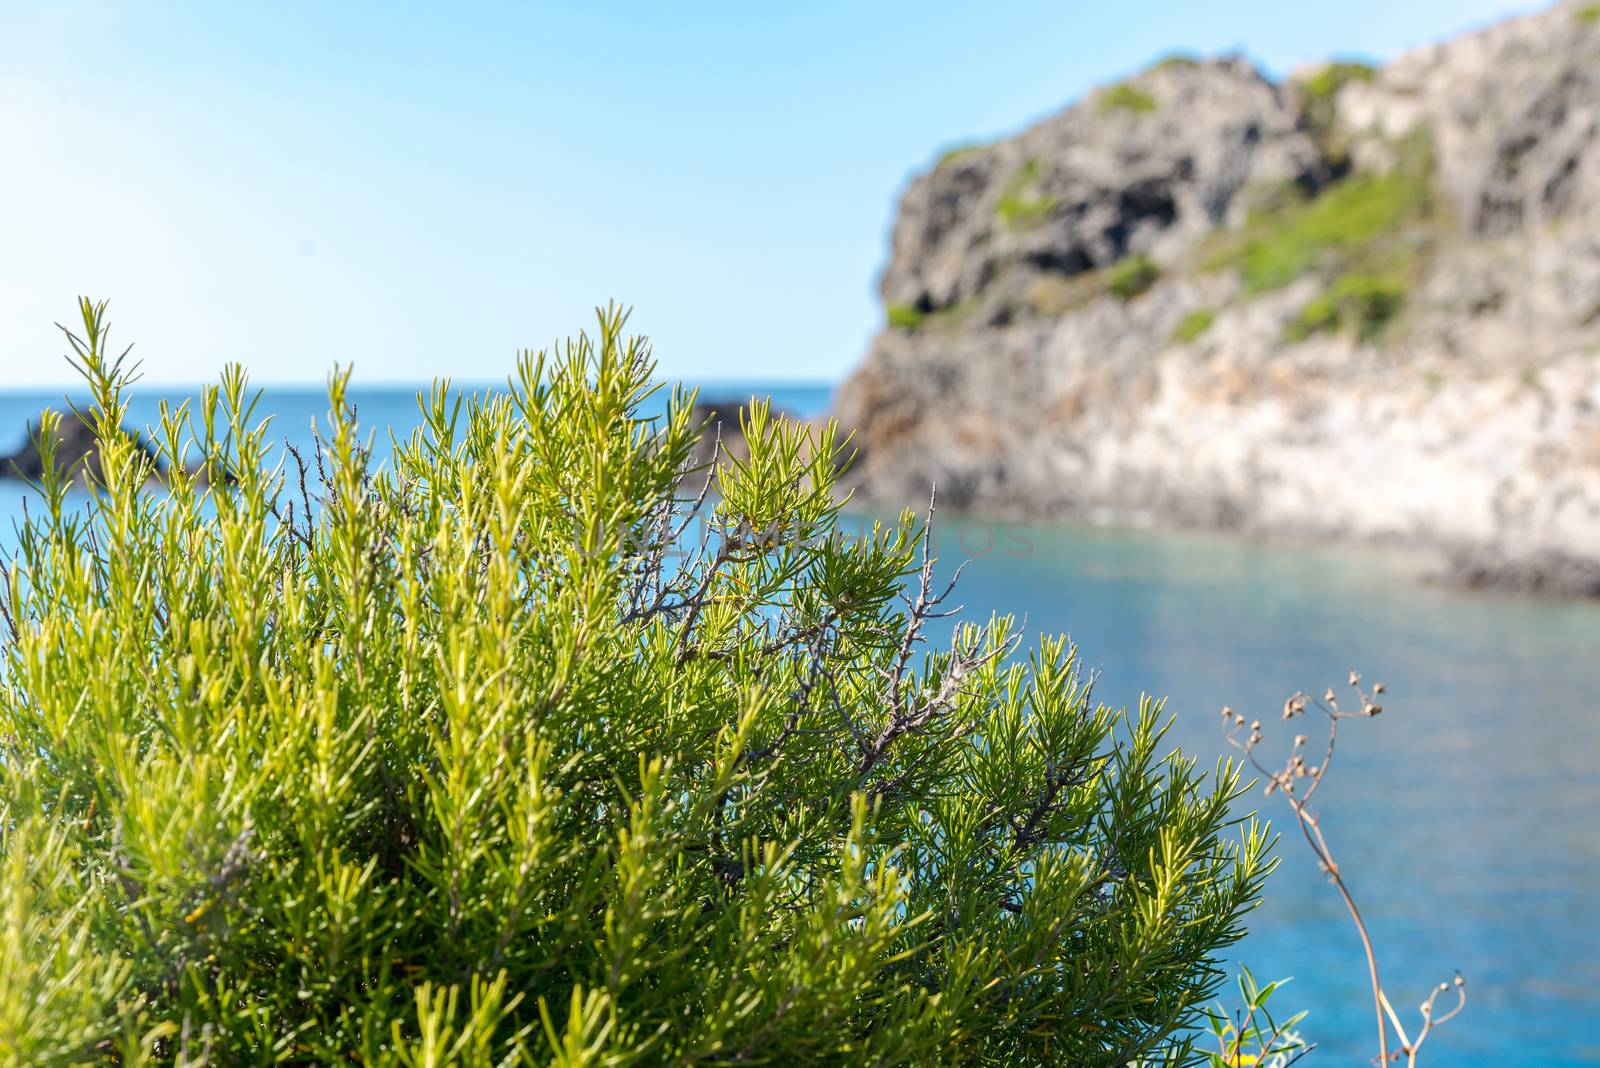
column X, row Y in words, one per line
column 1297, row 781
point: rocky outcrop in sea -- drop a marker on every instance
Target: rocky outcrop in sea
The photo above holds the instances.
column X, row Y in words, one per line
column 1358, row 303
column 75, row 453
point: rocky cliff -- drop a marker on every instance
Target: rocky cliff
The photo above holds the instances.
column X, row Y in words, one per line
column 1361, row 303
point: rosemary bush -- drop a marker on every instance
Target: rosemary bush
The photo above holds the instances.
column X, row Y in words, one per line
column 489, row 755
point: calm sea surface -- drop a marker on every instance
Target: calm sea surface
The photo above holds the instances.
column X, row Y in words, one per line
column 1465, row 817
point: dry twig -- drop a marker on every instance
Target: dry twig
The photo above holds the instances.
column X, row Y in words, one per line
column 1298, row 782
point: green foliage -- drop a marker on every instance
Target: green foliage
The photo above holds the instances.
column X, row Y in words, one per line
column 1178, row 60
column 1590, row 15
column 1251, row 1036
column 1020, row 203
column 1329, row 79
column 905, row 317
column 1320, row 94
column 908, row 318
column 1192, row 325
column 458, row 764
column 1131, row 276
column 957, row 313
column 1359, row 221
column 950, row 155
column 1366, row 302
column 1126, row 96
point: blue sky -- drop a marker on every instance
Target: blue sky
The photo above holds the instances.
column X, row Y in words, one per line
column 422, row 189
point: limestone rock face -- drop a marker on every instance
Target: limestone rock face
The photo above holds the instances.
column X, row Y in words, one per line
column 1359, row 304
column 1514, row 111
column 1153, row 163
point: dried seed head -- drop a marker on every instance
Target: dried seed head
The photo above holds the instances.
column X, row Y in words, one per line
column 1378, row 687
column 1459, row 980
column 1372, row 709
column 1226, row 711
column 1299, row 740
column 1330, row 696
column 1255, row 725
column 1238, row 720
column 1355, row 679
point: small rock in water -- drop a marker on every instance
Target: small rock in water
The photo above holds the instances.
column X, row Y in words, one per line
column 75, row 451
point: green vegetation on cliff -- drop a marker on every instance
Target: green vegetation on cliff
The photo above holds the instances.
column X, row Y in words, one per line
column 1178, row 60
column 1192, row 325
column 1366, row 302
column 905, row 317
column 1325, row 84
column 956, row 152
column 1131, row 276
column 1021, row 204
column 910, row 319
column 1320, row 92
column 1127, row 97
column 1359, row 219
column 1369, row 234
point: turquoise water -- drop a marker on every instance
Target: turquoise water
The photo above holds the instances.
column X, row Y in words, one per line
column 1464, row 817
